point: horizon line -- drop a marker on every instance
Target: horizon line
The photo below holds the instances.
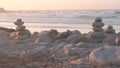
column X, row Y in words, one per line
column 62, row 9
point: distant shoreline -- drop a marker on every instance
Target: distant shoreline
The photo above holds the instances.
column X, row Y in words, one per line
column 59, row 10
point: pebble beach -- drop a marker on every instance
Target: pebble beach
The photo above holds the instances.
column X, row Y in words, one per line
column 98, row 48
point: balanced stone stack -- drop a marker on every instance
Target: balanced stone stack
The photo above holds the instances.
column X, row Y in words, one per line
column 98, row 35
column 110, row 30
column 21, row 33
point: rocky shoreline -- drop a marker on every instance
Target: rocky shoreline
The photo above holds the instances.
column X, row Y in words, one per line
column 19, row 48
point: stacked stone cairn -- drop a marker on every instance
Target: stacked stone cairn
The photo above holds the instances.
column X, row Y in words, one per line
column 110, row 30
column 97, row 36
column 20, row 33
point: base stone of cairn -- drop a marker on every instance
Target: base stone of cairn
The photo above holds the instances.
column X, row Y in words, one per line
column 97, row 35
column 20, row 33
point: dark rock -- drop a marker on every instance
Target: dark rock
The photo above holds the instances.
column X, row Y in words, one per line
column 110, row 39
column 96, row 35
column 76, row 38
column 52, row 34
column 109, row 30
column 75, row 32
column 63, row 34
column 110, row 27
column 36, row 34
column 98, row 24
column 43, row 40
column 97, row 29
column 19, row 22
column 98, row 19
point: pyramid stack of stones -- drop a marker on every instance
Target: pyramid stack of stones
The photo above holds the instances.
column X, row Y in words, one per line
column 110, row 30
column 97, row 36
column 21, row 33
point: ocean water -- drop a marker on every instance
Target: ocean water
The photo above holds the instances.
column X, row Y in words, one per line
column 61, row 20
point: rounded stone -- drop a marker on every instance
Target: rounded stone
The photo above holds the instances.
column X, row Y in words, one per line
column 96, row 35
column 76, row 38
column 19, row 28
column 98, row 19
column 110, row 39
column 110, row 27
column 35, row 34
column 105, row 56
column 76, row 32
column 19, row 22
column 98, row 24
column 110, row 31
column 63, row 34
column 52, row 34
column 96, row 29
column 43, row 40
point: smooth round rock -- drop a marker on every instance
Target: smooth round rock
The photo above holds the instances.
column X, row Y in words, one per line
column 97, row 35
column 97, row 24
column 105, row 56
column 110, row 31
column 63, row 35
column 52, row 34
column 110, row 39
column 98, row 19
column 43, row 40
column 35, row 34
column 76, row 38
column 76, row 32
column 19, row 28
column 110, row 27
column 97, row 29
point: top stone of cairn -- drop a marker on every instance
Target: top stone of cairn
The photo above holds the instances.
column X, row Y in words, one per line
column 98, row 19
column 110, row 27
column 19, row 22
